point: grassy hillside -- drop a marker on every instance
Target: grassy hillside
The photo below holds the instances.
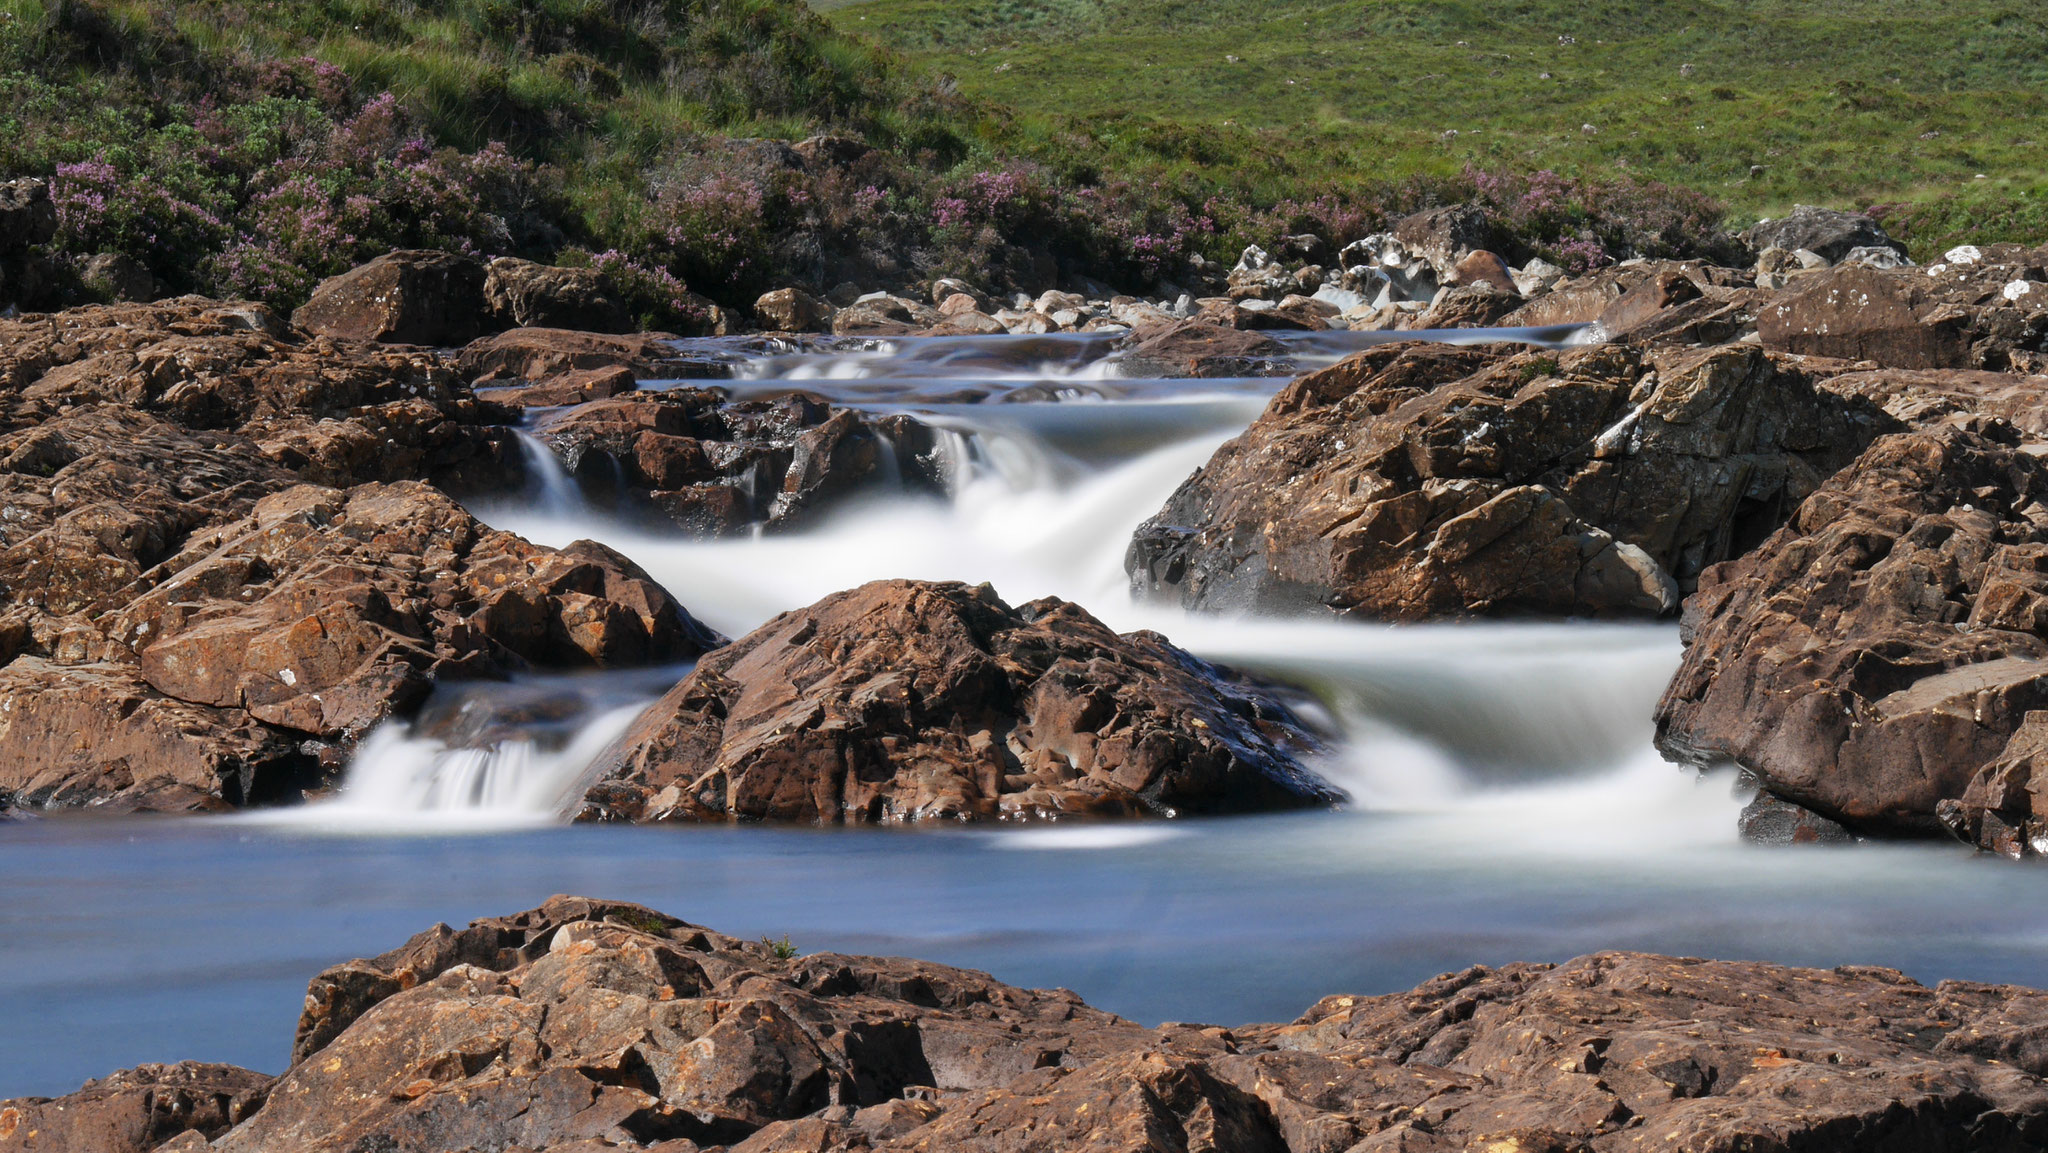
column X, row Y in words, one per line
column 1760, row 103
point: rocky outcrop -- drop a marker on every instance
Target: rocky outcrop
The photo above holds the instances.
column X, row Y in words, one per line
column 238, row 667
column 1876, row 660
column 1824, row 232
column 793, row 310
column 1979, row 314
column 586, row 1025
column 523, row 294
column 1417, row 481
column 716, row 466
column 149, row 1107
column 407, row 297
column 914, row 701
column 535, row 354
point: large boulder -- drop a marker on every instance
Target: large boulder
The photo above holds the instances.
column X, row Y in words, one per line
column 586, row 1025
column 793, row 310
column 180, row 666
column 696, row 458
column 411, row 296
column 523, row 294
column 535, row 354
column 1417, row 481
column 1880, row 653
column 910, row 701
column 1446, row 236
column 28, row 219
column 1827, row 233
column 1856, row 312
column 324, row 611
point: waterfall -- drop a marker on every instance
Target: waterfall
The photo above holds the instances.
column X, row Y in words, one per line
column 553, row 492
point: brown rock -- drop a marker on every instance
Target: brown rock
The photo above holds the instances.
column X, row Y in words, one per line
column 1477, row 305
column 577, row 386
column 1876, row 659
column 1415, row 481
column 1925, row 398
column 586, row 1025
column 412, row 296
column 1663, row 290
column 539, row 353
column 793, row 310
column 99, row 735
column 1445, row 236
column 883, row 316
column 1481, row 266
column 717, row 466
column 1195, row 348
column 137, row 1110
column 906, row 701
column 1860, row 313
column 324, row 611
column 522, row 294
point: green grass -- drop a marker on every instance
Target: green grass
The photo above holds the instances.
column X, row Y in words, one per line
column 1839, row 102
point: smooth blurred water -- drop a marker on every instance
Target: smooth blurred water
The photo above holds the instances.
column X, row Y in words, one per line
column 1506, row 803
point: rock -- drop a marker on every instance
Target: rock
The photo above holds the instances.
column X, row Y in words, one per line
column 1878, row 656
column 99, row 735
column 946, row 288
column 966, row 322
column 913, row 701
column 1926, row 398
column 536, row 354
column 117, row 276
column 1481, row 266
column 1537, row 276
column 1831, row 235
column 1663, row 290
column 325, row 611
column 1476, row 305
column 1860, row 313
column 1415, row 481
column 412, row 296
column 27, row 216
column 1258, row 276
column 1445, row 236
column 880, row 314
column 576, row 386
column 137, row 1110
column 793, row 310
column 1197, row 348
column 1768, row 820
column 522, row 294
column 585, row 1025
column 719, row 467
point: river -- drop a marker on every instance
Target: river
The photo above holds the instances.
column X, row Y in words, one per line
column 1507, row 803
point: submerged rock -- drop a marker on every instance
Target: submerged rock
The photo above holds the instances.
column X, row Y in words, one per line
column 913, row 701
column 585, row 1025
column 1417, row 481
column 1878, row 659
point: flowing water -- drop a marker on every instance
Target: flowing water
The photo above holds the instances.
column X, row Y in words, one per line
column 1506, row 803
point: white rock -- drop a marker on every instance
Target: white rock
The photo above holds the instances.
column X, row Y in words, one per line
column 1341, row 299
column 2016, row 289
column 1963, row 254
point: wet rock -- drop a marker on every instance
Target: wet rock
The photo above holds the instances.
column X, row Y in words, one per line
column 1876, row 659
column 1196, row 348
column 908, row 701
column 587, row 1025
column 412, row 296
column 523, row 294
column 324, row 611
column 717, row 466
column 137, row 1110
column 1414, row 481
column 1829, row 234
column 576, row 386
column 1769, row 820
column 793, row 310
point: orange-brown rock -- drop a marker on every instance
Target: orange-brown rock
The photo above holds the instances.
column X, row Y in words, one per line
column 1196, row 348
column 1878, row 658
column 413, row 296
column 522, row 294
column 586, row 1025
column 912, row 701
column 1416, row 481
column 535, row 354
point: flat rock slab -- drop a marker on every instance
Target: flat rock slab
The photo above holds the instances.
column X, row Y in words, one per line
column 586, row 1025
